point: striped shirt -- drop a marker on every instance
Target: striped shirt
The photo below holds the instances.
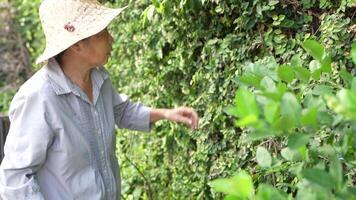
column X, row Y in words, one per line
column 60, row 145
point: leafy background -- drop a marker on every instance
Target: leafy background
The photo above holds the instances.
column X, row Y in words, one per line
column 194, row 52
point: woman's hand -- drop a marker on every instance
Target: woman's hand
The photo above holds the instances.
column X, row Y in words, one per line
column 182, row 114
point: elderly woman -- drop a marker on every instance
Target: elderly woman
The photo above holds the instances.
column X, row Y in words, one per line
column 61, row 143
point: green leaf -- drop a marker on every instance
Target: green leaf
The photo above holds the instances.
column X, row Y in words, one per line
column 346, row 77
column 268, row 84
column 167, row 7
column 286, row 73
column 353, row 52
column 309, row 117
column 302, row 73
column 290, row 155
column 268, row 192
column 284, row 123
column 224, row 185
column 244, row 185
column 272, row 95
column 160, row 8
column 348, row 98
column 263, row 157
column 271, row 112
column 150, row 12
column 259, row 135
column 247, row 120
column 315, row 49
column 303, row 152
column 326, row 63
column 353, row 85
column 290, row 109
column 319, row 177
column 231, row 110
column 232, row 197
column 347, row 103
column 239, row 185
column 155, row 3
column 250, row 79
column 297, row 140
column 322, row 89
column 336, row 171
column 315, row 69
column 246, row 103
column 296, row 61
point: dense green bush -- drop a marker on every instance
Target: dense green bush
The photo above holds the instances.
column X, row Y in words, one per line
column 190, row 52
column 315, row 128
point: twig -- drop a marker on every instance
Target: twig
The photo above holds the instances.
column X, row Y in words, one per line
column 353, row 15
column 149, row 193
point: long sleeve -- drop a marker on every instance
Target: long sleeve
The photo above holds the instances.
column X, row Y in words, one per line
column 25, row 149
column 133, row 116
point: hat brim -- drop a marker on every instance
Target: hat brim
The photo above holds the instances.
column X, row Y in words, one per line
column 92, row 28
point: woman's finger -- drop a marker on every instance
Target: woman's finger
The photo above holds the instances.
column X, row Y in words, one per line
column 192, row 114
column 185, row 120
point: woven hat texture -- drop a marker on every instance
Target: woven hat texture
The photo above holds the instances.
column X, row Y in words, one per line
column 66, row 22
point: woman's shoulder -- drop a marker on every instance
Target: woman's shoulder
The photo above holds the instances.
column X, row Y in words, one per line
column 37, row 85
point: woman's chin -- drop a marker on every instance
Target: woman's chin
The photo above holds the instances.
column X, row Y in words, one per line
column 106, row 59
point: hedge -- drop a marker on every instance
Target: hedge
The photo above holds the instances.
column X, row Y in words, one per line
column 193, row 52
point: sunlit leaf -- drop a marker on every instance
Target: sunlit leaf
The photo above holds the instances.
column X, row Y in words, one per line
column 353, row 52
column 244, row 185
column 247, row 120
column 314, row 48
column 263, row 157
column 231, row 197
column 246, row 103
column 150, row 12
column 224, row 185
column 240, row 185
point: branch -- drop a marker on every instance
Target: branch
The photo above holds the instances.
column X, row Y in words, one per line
column 149, row 192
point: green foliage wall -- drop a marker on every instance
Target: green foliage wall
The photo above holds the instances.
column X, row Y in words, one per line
column 190, row 52
column 313, row 119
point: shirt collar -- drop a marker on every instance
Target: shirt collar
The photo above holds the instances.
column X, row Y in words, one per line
column 61, row 83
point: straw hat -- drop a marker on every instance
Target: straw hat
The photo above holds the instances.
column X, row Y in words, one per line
column 66, row 22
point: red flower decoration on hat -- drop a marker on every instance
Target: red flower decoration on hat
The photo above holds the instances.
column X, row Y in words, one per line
column 69, row 27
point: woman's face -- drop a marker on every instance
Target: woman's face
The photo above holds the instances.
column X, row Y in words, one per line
column 97, row 48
